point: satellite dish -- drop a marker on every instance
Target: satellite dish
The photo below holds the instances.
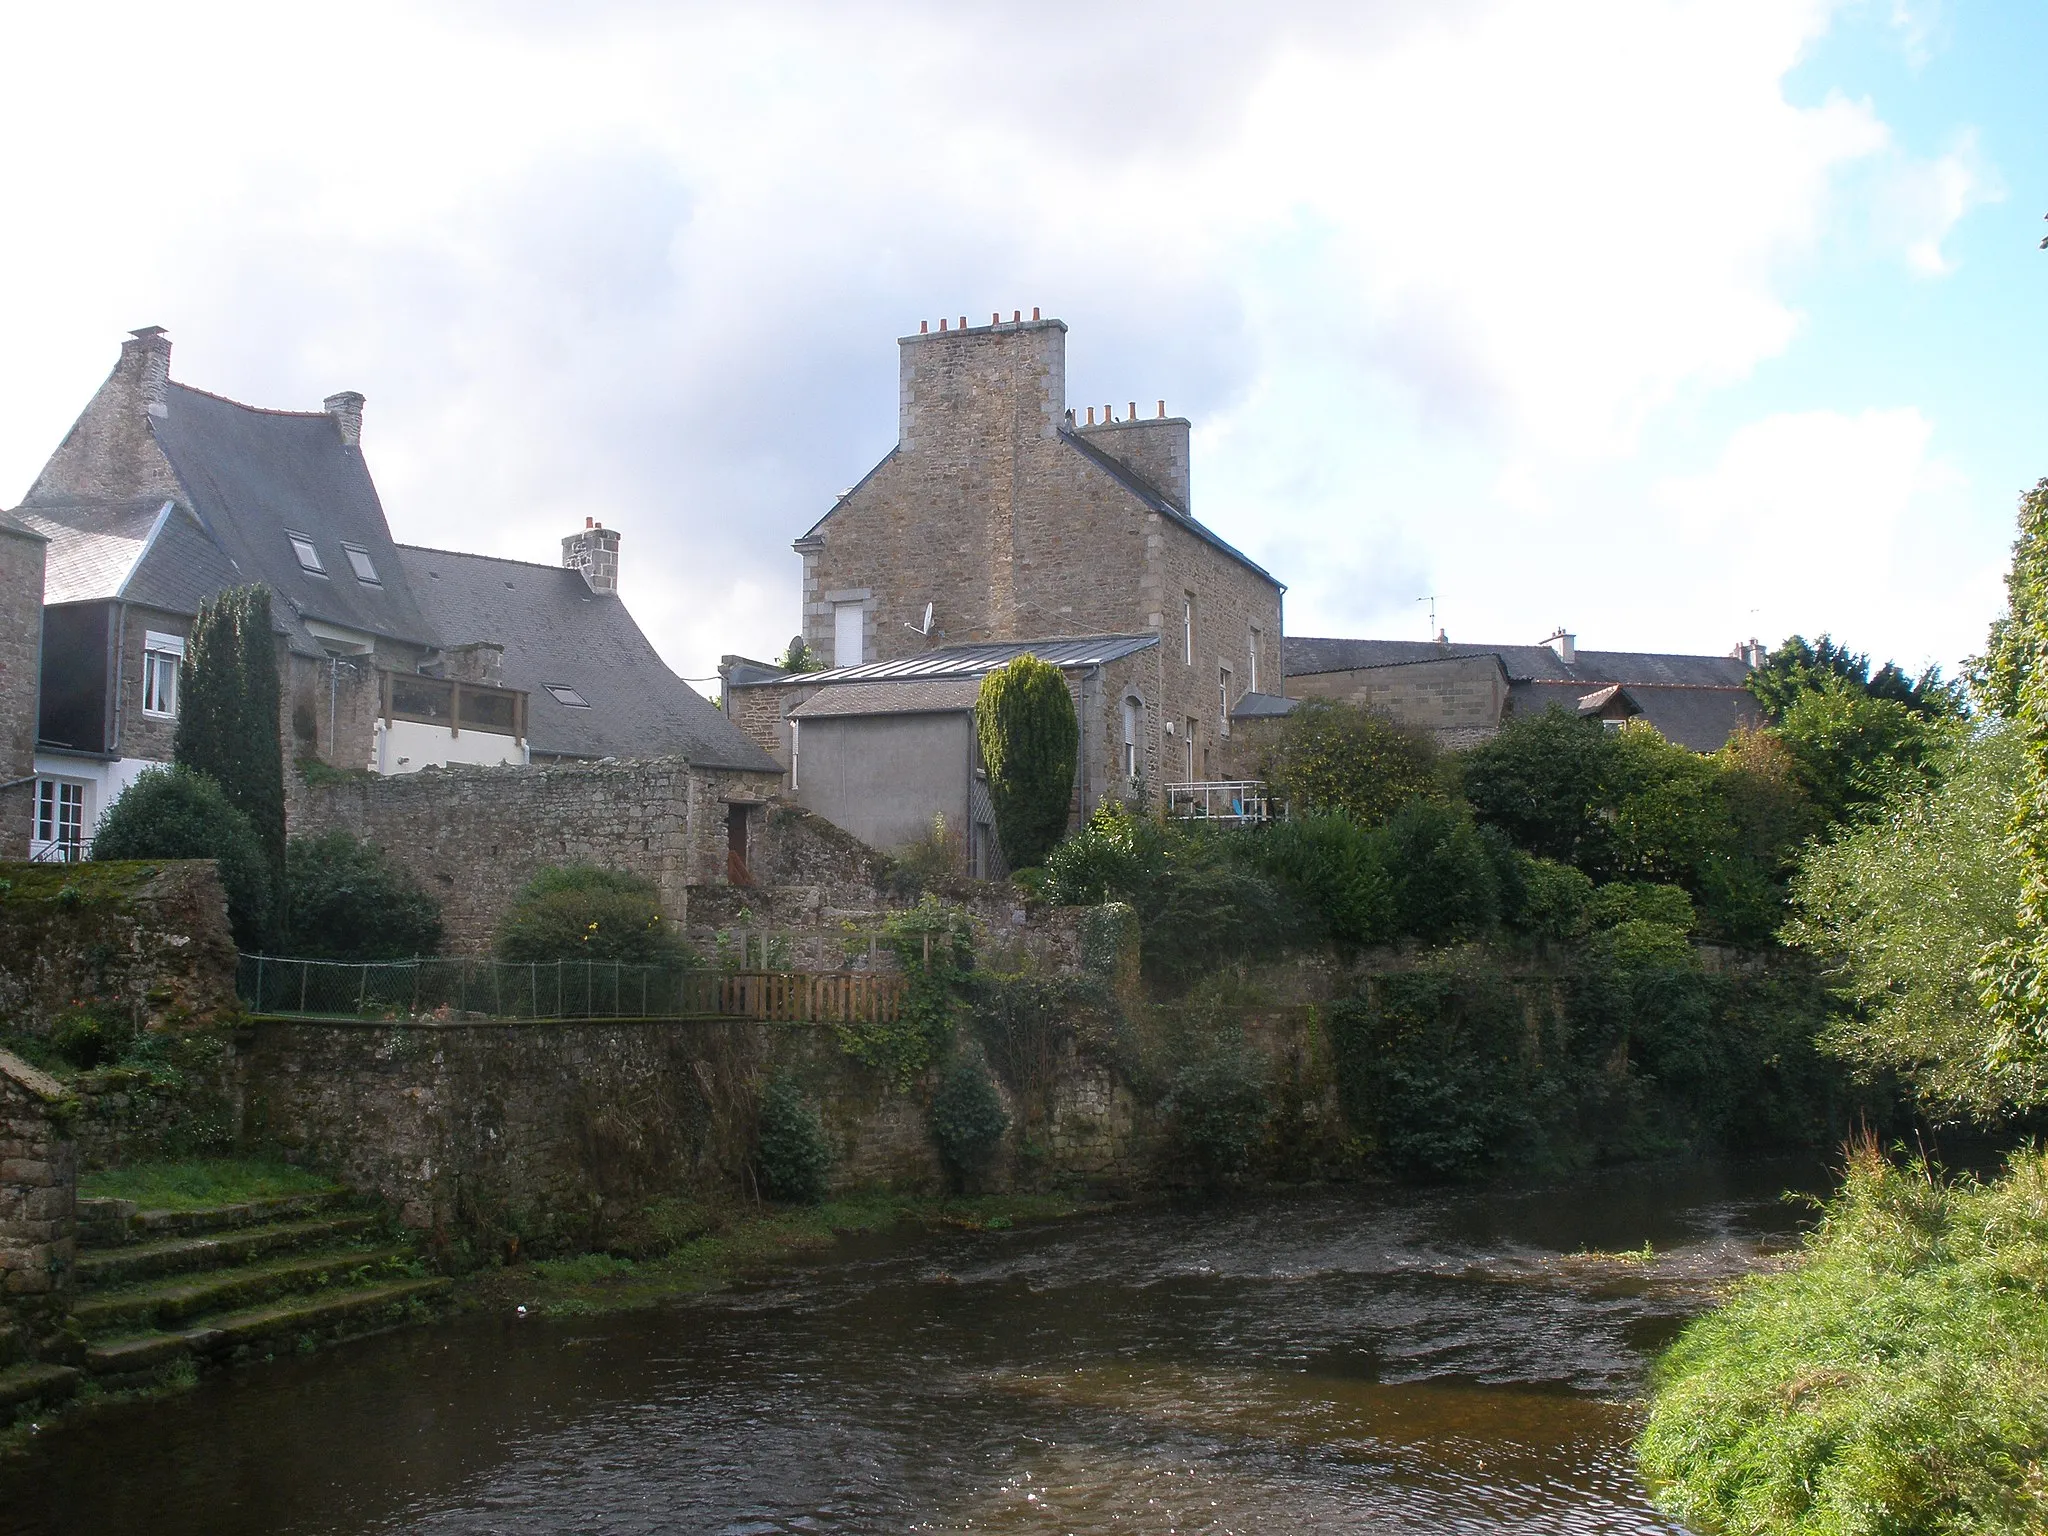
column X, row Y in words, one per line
column 926, row 629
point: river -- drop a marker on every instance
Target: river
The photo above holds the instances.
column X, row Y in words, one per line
column 1383, row 1361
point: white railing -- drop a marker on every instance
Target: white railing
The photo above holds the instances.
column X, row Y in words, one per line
column 57, row 851
column 1230, row 802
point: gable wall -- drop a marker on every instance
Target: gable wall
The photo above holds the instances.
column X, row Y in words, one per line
column 21, row 640
column 1460, row 698
column 110, row 453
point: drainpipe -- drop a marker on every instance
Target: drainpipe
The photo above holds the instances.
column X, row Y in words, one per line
column 1092, row 675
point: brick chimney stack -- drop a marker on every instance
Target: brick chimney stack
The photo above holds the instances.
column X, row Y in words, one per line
column 347, row 410
column 594, row 552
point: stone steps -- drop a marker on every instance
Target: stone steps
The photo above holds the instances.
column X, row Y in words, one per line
column 102, row 1267
column 291, row 1324
column 25, row 1386
column 106, row 1223
column 168, row 1302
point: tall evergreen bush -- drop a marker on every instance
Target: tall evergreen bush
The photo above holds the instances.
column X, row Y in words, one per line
column 1024, row 720
column 228, row 713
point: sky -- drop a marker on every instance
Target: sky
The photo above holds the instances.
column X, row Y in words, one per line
column 1670, row 324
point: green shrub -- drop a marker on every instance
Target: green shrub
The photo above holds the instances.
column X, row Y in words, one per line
column 90, row 1034
column 1216, row 1107
column 1445, row 881
column 1337, row 872
column 347, row 901
column 176, row 813
column 1431, row 1068
column 1634, row 901
column 967, row 1119
column 1330, row 756
column 1117, row 856
column 582, row 912
column 1893, row 1382
column 1552, row 900
column 793, row 1156
column 1024, row 721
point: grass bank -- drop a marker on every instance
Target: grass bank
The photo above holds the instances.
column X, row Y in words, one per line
column 1892, row 1382
column 197, row 1183
column 724, row 1246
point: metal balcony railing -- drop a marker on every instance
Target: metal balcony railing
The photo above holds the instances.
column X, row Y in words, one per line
column 1227, row 802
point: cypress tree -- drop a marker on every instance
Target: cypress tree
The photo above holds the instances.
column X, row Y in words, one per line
column 228, row 712
column 1024, row 720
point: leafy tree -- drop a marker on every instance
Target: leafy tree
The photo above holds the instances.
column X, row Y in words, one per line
column 1797, row 667
column 2019, row 635
column 228, row 713
column 1338, row 871
column 1445, row 876
column 1338, row 757
column 793, row 1155
column 1849, row 748
column 1024, row 720
column 176, row 813
column 579, row 912
column 348, row 901
column 1542, row 779
column 1901, row 908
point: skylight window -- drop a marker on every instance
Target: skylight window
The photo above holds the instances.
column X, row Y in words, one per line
column 359, row 558
column 567, row 695
column 309, row 557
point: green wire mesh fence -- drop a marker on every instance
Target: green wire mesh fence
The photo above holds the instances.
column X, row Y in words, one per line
column 564, row 989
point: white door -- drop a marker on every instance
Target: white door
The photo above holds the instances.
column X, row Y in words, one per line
column 846, row 633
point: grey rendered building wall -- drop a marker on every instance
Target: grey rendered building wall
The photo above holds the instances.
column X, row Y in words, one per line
column 884, row 777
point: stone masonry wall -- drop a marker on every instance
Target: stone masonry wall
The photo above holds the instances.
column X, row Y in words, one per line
column 1459, row 698
column 38, row 1209
column 150, row 938
column 475, row 836
column 21, row 648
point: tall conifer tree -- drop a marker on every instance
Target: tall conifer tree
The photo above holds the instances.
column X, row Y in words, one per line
column 228, row 712
column 1024, row 719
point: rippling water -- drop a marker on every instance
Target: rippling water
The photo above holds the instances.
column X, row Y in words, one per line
column 1333, row 1361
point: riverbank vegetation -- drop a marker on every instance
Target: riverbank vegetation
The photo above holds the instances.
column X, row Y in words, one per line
column 1893, row 1380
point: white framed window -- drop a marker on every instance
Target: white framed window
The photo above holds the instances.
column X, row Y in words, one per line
column 162, row 655
column 1251, row 655
column 1191, row 751
column 309, row 557
column 359, row 562
column 60, row 819
column 849, row 623
column 1134, row 723
column 1223, row 698
column 1187, row 628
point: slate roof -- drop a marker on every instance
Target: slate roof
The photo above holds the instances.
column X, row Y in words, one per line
column 1535, row 663
column 906, row 696
column 555, row 630
column 1262, row 706
column 252, row 475
column 978, row 659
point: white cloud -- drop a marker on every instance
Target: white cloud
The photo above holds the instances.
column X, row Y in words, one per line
column 646, row 262
column 1920, row 202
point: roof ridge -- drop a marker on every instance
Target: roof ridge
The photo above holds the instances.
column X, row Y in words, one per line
column 1139, row 486
column 470, row 554
column 242, row 405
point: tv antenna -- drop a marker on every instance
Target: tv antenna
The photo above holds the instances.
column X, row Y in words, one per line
column 1432, row 614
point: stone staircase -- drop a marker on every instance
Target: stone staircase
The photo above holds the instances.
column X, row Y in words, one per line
column 155, row 1289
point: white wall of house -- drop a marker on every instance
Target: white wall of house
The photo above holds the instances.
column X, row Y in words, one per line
column 407, row 746
column 97, row 784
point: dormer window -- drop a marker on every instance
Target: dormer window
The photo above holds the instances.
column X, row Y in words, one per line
column 309, row 557
column 563, row 694
column 359, row 560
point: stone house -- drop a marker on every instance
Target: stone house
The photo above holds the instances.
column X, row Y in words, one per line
column 1461, row 693
column 1004, row 518
column 392, row 658
column 21, row 644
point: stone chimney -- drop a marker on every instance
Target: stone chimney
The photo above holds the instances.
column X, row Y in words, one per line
column 594, row 552
column 1566, row 644
column 146, row 363
column 963, row 391
column 1154, row 447
column 347, row 410
column 480, row 661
